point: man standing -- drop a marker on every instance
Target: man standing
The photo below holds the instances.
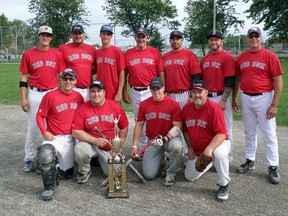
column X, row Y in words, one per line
column 56, row 110
column 163, row 119
column 181, row 68
column 110, row 65
column 260, row 79
column 206, row 136
column 218, row 72
column 93, row 126
column 42, row 66
column 143, row 62
column 81, row 58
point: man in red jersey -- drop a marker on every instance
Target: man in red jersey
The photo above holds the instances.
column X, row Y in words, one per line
column 205, row 133
column 42, row 66
column 110, row 65
column 162, row 116
column 80, row 57
column 56, row 110
column 93, row 116
column 143, row 62
column 218, row 72
column 259, row 75
column 181, row 68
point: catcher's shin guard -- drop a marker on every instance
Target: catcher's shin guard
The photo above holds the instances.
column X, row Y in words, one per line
column 47, row 161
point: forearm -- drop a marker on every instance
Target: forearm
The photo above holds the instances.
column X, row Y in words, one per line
column 123, row 133
column 41, row 123
column 84, row 136
column 137, row 133
column 236, row 87
column 215, row 142
column 278, row 88
column 121, row 82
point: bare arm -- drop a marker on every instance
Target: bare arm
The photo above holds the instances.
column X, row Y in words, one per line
column 235, row 93
column 215, row 142
column 121, row 81
column 191, row 154
column 136, row 136
column 86, row 137
column 278, row 88
column 24, row 101
column 162, row 76
column 126, row 97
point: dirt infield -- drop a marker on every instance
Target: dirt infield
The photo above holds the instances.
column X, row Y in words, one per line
column 251, row 193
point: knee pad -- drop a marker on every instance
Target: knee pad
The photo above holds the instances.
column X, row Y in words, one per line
column 46, row 155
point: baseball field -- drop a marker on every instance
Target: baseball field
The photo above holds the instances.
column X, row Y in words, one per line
column 9, row 93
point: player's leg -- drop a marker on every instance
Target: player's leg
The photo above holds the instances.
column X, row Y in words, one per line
column 191, row 174
column 47, row 160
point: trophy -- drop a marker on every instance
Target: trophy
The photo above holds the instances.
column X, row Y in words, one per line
column 117, row 187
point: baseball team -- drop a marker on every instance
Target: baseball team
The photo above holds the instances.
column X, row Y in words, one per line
column 182, row 105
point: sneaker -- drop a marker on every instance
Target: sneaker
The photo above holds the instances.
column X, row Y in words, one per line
column 169, row 180
column 274, row 175
column 28, row 166
column 248, row 165
column 47, row 195
column 82, row 178
column 223, row 193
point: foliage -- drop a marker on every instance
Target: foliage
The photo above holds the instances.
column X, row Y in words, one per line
column 150, row 14
column 60, row 15
column 156, row 40
column 200, row 19
column 274, row 15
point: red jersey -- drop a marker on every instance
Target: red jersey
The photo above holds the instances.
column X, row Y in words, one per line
column 143, row 65
column 203, row 124
column 89, row 116
column 81, row 59
column 109, row 62
column 257, row 70
column 42, row 67
column 58, row 108
column 179, row 67
column 159, row 115
column 215, row 68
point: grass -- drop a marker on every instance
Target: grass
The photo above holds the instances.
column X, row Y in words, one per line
column 9, row 92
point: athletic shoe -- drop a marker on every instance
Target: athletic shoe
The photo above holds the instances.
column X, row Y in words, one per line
column 82, row 178
column 28, row 166
column 274, row 175
column 47, row 195
column 248, row 165
column 169, row 180
column 223, row 193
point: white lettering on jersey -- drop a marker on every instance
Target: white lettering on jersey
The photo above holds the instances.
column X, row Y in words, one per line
column 107, row 118
column 62, row 107
column 147, row 61
column 86, row 56
column 179, row 61
column 168, row 62
column 109, row 61
column 93, row 119
column 245, row 65
column 258, row 65
column 215, row 65
column 206, row 65
column 135, row 61
column 73, row 105
column 99, row 60
column 38, row 64
column 164, row 116
column 201, row 123
column 73, row 57
column 151, row 115
column 50, row 64
column 190, row 123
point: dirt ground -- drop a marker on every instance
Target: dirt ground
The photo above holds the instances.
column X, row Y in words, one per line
column 251, row 193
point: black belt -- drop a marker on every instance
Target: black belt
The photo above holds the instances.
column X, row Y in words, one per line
column 139, row 88
column 253, row 94
column 214, row 94
column 39, row 90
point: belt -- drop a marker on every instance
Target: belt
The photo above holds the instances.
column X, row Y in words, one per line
column 179, row 91
column 40, row 90
column 139, row 88
column 81, row 87
column 214, row 94
column 253, row 94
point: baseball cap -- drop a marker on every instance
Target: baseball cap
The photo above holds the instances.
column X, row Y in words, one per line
column 97, row 83
column 143, row 31
column 254, row 29
column 107, row 28
column 215, row 33
column 176, row 34
column 68, row 71
column 45, row 29
column 156, row 82
column 199, row 84
column 77, row 28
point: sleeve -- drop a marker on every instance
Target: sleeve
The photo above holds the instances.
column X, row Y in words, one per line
column 160, row 63
column 141, row 114
column 24, row 66
column 123, row 123
column 120, row 60
column 219, row 124
column 78, row 120
column 229, row 66
column 177, row 115
column 61, row 63
column 194, row 65
column 42, row 114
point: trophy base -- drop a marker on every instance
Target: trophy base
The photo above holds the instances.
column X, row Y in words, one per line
column 117, row 193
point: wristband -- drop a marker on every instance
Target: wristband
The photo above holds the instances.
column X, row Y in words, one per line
column 274, row 105
column 168, row 138
column 134, row 146
column 23, row 84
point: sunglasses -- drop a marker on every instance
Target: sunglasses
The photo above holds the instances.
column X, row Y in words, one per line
column 71, row 79
column 254, row 36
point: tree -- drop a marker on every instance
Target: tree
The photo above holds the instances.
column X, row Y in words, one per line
column 200, row 19
column 273, row 13
column 5, row 35
column 150, row 14
column 60, row 15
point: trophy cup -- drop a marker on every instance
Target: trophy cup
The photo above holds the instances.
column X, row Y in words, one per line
column 117, row 187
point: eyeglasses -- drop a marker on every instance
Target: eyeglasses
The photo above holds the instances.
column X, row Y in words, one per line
column 254, row 36
column 71, row 79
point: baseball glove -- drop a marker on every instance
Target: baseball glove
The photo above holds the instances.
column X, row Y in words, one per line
column 202, row 162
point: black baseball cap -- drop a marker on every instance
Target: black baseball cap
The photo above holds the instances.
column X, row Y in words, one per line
column 176, row 34
column 143, row 31
column 156, row 82
column 216, row 33
column 97, row 83
column 68, row 71
column 77, row 28
column 199, row 84
column 107, row 28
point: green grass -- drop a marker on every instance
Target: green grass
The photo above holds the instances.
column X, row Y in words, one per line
column 9, row 93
